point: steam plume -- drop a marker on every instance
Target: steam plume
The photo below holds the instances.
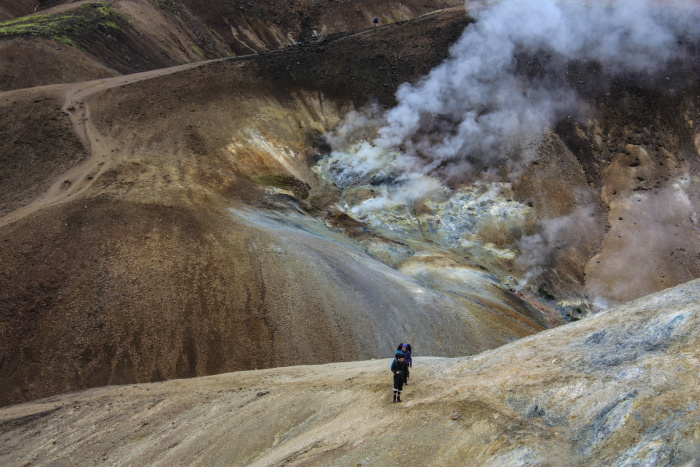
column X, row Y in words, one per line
column 508, row 78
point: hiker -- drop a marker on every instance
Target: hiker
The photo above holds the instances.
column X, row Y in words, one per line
column 376, row 21
column 398, row 368
column 406, row 350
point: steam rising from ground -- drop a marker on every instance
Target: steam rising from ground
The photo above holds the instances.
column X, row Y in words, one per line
column 509, row 78
column 641, row 254
column 540, row 249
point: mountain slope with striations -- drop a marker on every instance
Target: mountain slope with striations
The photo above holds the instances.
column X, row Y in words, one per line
column 153, row 227
column 69, row 41
column 175, row 223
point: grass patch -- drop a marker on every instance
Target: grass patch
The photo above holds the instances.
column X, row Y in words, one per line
column 198, row 51
column 286, row 182
column 68, row 27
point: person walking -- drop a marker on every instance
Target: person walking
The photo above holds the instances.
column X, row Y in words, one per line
column 398, row 368
column 406, row 350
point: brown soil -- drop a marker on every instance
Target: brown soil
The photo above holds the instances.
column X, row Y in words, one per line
column 123, row 262
column 157, row 34
column 15, row 9
column 145, row 237
column 620, row 387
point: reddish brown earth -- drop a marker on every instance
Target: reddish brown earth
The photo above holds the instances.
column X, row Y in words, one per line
column 165, row 224
column 141, row 240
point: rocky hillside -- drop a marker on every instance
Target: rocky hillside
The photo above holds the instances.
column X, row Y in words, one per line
column 157, row 227
column 175, row 223
column 616, row 389
column 70, row 41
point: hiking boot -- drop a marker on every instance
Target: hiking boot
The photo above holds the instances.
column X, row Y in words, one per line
column 398, row 398
column 394, row 397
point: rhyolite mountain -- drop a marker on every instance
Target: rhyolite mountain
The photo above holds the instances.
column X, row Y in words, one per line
column 163, row 217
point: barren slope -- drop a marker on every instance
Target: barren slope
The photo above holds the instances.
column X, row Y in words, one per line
column 177, row 246
column 70, row 41
column 167, row 224
column 617, row 389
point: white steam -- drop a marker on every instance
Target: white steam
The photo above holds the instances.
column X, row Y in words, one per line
column 413, row 188
column 664, row 223
column 509, row 76
column 540, row 250
column 514, row 73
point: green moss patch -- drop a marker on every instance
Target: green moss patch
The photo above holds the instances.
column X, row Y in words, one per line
column 69, row 27
column 198, row 51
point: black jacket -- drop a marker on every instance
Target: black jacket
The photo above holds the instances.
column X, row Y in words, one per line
column 399, row 366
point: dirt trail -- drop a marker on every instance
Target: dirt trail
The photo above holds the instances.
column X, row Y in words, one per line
column 101, row 155
column 76, row 97
column 133, row 234
column 142, row 239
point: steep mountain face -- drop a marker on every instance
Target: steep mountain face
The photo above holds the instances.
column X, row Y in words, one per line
column 175, row 223
column 616, row 389
column 166, row 237
column 642, row 163
column 16, row 9
column 67, row 41
column 551, row 163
